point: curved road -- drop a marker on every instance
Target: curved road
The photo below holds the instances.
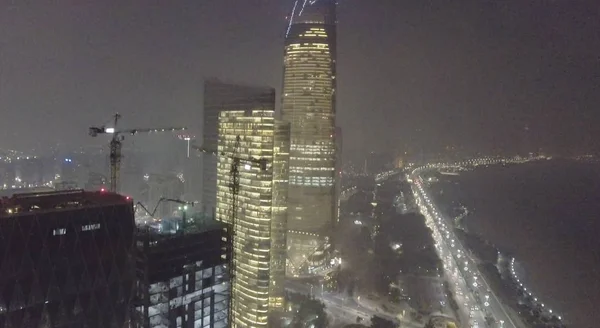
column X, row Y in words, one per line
column 473, row 294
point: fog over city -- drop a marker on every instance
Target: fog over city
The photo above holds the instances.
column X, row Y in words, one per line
column 480, row 75
column 299, row 163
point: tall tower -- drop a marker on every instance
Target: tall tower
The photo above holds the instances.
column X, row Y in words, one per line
column 259, row 241
column 308, row 103
column 220, row 96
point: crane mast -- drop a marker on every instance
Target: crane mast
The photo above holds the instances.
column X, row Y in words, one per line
column 115, row 163
column 116, row 144
column 234, row 188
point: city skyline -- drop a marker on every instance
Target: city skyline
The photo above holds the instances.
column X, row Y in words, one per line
column 468, row 194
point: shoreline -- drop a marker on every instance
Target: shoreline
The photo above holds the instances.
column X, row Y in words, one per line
column 511, row 209
column 500, row 268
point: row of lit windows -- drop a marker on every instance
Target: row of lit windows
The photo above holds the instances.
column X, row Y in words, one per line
column 311, row 181
column 308, row 146
column 307, row 169
column 307, row 45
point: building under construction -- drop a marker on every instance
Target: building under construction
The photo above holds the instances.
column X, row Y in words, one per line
column 66, row 260
column 183, row 273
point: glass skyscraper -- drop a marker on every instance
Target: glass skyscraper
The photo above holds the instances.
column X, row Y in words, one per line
column 308, row 103
column 220, row 96
column 259, row 213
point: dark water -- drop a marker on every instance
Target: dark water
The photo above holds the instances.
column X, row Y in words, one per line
column 548, row 215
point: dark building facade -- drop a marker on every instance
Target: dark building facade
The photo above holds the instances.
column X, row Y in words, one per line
column 220, row 96
column 339, row 146
column 183, row 274
column 66, row 260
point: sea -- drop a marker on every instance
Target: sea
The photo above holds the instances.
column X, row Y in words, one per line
column 547, row 215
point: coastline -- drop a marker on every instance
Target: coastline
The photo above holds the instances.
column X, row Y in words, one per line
column 543, row 214
column 500, row 269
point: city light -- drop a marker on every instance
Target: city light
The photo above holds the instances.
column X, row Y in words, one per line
column 450, row 249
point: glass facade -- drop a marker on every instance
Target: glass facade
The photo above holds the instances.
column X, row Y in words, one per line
column 66, row 260
column 308, row 103
column 260, row 211
column 220, row 96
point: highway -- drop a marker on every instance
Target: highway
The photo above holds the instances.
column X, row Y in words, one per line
column 340, row 308
column 474, row 296
column 343, row 309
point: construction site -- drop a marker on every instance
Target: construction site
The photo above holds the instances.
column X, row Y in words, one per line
column 183, row 273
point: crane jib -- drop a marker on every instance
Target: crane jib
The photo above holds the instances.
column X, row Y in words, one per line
column 115, row 144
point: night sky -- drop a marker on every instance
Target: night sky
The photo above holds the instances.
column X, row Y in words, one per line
column 482, row 75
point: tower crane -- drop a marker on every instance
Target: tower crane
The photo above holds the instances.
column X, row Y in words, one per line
column 234, row 187
column 170, row 200
column 116, row 144
column 161, row 200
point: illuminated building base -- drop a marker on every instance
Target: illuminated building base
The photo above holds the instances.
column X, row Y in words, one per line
column 308, row 254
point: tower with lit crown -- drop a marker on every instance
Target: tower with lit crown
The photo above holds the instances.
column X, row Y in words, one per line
column 308, row 103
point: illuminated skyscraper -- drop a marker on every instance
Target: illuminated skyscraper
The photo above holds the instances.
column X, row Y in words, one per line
column 308, row 103
column 260, row 212
column 220, row 97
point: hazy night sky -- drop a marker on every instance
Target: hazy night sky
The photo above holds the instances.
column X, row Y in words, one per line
column 424, row 73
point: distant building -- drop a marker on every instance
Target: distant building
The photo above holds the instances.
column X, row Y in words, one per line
column 7, row 175
column 73, row 174
column 96, row 181
column 399, row 162
column 192, row 178
column 220, row 97
column 183, row 274
column 29, row 171
column 309, row 104
column 260, row 211
column 66, row 260
column 377, row 162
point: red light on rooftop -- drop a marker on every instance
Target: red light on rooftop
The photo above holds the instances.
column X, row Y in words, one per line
column 102, row 190
column 127, row 198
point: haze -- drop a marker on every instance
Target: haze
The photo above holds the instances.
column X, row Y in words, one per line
column 413, row 75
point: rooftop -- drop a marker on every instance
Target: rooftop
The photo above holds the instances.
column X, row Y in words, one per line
column 42, row 202
column 172, row 227
column 313, row 12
